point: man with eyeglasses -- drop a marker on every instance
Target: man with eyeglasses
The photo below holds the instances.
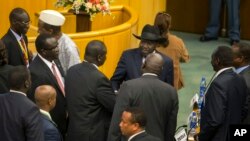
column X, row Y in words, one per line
column 16, row 40
column 45, row 69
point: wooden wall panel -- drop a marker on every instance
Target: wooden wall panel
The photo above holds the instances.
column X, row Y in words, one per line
column 245, row 19
column 188, row 15
column 193, row 16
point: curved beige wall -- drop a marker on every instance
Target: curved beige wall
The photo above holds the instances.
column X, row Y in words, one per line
column 117, row 38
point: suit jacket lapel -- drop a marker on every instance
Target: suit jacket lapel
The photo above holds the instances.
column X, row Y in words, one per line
column 48, row 71
column 138, row 61
column 47, row 118
column 16, row 44
column 59, row 66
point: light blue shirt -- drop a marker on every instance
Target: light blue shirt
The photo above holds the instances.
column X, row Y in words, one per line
column 241, row 69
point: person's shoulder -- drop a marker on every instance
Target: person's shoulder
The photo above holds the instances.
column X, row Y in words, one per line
column 65, row 38
column 131, row 50
column 165, row 57
column 152, row 138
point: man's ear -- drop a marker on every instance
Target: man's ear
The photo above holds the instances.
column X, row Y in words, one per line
column 99, row 58
column 136, row 126
column 26, row 84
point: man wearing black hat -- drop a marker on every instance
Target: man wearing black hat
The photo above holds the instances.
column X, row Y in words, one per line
column 129, row 65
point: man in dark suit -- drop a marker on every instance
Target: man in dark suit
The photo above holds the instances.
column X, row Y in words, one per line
column 46, row 70
column 90, row 97
column 20, row 118
column 224, row 99
column 158, row 98
column 133, row 123
column 4, row 69
column 45, row 97
column 16, row 40
column 129, row 65
column 241, row 63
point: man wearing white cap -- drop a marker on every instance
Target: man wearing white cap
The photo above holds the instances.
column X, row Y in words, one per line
column 50, row 21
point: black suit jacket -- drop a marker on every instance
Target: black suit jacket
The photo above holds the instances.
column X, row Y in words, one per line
column 129, row 67
column 51, row 133
column 4, row 82
column 144, row 137
column 20, row 118
column 246, row 75
column 90, row 100
column 15, row 55
column 42, row 75
column 224, row 102
column 158, row 99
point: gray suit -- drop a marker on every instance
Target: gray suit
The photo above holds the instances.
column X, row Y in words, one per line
column 158, row 99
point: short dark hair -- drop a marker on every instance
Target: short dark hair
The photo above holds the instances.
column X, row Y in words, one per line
column 41, row 41
column 16, row 12
column 244, row 50
column 137, row 116
column 94, row 48
column 17, row 77
column 225, row 56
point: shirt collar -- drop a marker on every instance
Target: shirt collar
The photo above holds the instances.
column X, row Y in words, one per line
column 149, row 74
column 18, row 38
column 131, row 137
column 19, row 92
column 239, row 70
column 48, row 63
column 45, row 113
column 222, row 70
column 92, row 64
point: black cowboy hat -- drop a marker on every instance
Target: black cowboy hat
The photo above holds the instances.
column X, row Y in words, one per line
column 151, row 33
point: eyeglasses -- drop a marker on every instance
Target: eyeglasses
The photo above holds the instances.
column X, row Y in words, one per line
column 25, row 23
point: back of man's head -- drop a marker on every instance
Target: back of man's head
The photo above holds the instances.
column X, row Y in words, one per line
column 224, row 56
column 45, row 97
column 95, row 52
column 153, row 64
column 244, row 51
column 41, row 42
column 19, row 78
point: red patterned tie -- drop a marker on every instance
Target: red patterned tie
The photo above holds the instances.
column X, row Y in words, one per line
column 60, row 83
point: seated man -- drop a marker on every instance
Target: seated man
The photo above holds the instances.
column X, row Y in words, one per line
column 129, row 65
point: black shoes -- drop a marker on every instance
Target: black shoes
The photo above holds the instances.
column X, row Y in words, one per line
column 205, row 38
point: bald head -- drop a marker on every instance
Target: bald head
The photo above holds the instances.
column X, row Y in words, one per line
column 45, row 97
column 153, row 64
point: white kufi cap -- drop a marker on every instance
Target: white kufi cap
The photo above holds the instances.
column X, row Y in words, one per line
column 52, row 17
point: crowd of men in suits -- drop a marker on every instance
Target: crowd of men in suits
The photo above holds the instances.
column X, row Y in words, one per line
column 48, row 98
